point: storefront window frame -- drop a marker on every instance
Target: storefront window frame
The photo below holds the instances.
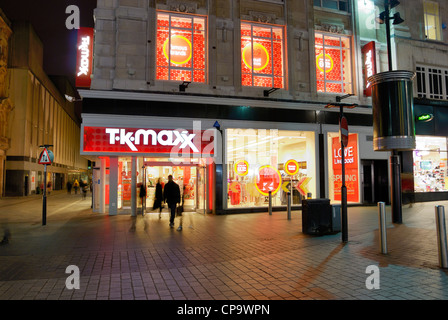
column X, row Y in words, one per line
column 347, row 86
column 273, row 30
column 311, row 169
column 159, row 68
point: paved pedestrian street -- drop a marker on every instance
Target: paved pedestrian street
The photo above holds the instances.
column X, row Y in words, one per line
column 253, row 256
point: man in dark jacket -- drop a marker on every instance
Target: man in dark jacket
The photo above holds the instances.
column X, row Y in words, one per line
column 171, row 195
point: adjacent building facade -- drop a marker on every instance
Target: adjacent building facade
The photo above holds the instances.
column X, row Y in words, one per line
column 38, row 115
column 232, row 98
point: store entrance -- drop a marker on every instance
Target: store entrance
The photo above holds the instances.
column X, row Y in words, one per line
column 374, row 181
column 189, row 177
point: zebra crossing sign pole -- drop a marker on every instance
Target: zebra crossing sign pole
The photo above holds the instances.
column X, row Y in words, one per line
column 45, row 158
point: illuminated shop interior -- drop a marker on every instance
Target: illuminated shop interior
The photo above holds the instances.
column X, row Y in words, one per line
column 251, row 151
column 430, row 164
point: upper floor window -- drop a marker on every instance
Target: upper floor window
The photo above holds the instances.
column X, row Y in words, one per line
column 262, row 55
column 181, row 47
column 432, row 21
column 432, row 83
column 341, row 5
column 333, row 63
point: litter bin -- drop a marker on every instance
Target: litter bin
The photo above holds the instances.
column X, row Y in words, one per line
column 316, row 216
column 336, row 218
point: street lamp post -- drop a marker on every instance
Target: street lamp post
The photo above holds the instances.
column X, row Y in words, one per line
column 344, row 216
column 395, row 165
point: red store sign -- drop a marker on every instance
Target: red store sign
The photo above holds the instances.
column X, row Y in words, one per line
column 113, row 140
column 84, row 58
column 369, row 68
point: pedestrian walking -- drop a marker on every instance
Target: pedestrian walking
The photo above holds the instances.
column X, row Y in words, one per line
column 180, row 211
column 6, row 236
column 158, row 198
column 76, row 186
column 49, row 187
column 142, row 196
column 84, row 189
column 69, row 187
column 171, row 195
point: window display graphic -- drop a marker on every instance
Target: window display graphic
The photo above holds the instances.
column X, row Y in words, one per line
column 291, row 167
column 333, row 63
column 269, row 179
column 260, row 57
column 181, row 47
column 241, row 167
column 262, row 54
column 430, row 164
column 302, row 185
column 351, row 168
column 324, row 63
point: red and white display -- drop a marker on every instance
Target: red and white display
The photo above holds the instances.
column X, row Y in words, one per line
column 333, row 70
column 262, row 56
column 181, row 47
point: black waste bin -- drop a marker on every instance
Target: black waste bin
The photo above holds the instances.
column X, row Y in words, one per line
column 336, row 218
column 316, row 216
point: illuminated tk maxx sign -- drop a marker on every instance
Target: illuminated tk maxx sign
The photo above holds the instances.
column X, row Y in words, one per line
column 84, row 50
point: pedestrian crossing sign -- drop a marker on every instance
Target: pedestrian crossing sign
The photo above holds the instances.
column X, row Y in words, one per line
column 44, row 157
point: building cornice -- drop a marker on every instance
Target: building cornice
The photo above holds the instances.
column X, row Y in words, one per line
column 217, row 100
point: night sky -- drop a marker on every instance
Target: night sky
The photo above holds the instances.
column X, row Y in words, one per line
column 48, row 19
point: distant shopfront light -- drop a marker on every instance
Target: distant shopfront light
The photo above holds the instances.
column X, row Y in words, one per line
column 425, row 117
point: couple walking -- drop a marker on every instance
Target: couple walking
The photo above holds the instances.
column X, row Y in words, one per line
column 171, row 196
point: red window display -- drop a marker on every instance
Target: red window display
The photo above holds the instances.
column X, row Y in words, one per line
column 181, row 47
column 333, row 63
column 351, row 168
column 262, row 55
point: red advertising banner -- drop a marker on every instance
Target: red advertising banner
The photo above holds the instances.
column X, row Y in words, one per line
column 369, row 69
column 351, row 168
column 84, row 57
column 104, row 140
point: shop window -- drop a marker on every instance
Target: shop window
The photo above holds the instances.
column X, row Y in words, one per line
column 430, row 164
column 262, row 55
column 341, row 5
column 352, row 181
column 432, row 21
column 432, row 83
column 181, row 47
column 262, row 160
column 333, row 63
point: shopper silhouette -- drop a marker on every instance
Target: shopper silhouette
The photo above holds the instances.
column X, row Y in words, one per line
column 171, row 195
column 142, row 196
column 158, row 197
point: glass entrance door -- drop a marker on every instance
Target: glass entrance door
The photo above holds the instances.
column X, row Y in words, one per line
column 186, row 176
column 201, row 187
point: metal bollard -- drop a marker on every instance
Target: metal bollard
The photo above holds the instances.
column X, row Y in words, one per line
column 441, row 236
column 382, row 227
column 289, row 205
column 270, row 202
